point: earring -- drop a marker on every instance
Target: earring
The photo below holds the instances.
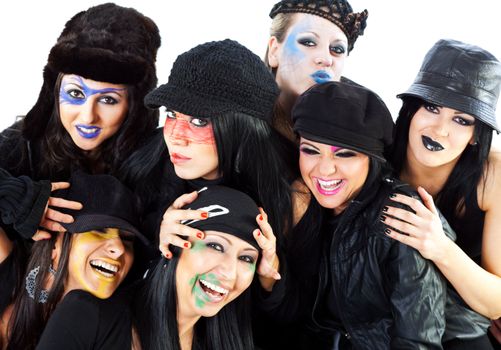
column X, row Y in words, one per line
column 31, row 284
column 475, row 143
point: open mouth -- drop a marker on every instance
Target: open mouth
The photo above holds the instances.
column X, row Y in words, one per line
column 431, row 145
column 215, row 293
column 329, row 187
column 102, row 267
column 88, row 132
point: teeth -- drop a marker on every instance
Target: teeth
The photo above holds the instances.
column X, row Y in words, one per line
column 329, row 185
column 214, row 287
column 104, row 268
column 87, row 130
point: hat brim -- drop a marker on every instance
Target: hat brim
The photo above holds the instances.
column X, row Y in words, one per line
column 451, row 99
column 187, row 102
column 89, row 222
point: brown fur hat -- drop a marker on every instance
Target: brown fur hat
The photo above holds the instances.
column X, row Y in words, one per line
column 106, row 43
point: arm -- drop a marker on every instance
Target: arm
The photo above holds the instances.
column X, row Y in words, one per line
column 428, row 237
column 417, row 300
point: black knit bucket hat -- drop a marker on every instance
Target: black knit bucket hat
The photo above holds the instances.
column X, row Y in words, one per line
column 106, row 43
column 216, row 78
column 462, row 77
column 346, row 115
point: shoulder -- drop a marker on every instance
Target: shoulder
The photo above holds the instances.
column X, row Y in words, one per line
column 489, row 188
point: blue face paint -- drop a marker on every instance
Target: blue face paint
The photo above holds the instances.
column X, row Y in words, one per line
column 321, row 76
column 66, row 98
column 291, row 46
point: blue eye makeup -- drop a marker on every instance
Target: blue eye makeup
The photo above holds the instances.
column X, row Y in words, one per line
column 77, row 93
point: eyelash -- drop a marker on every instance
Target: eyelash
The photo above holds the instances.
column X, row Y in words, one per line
column 197, row 122
column 346, row 154
column 461, row 121
column 308, row 151
column 218, row 247
column 247, row 258
column 338, row 50
column 79, row 95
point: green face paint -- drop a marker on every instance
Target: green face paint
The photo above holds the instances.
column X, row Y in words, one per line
column 252, row 267
column 198, row 246
column 201, row 299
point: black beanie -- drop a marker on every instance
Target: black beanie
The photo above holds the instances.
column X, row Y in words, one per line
column 343, row 114
column 216, row 78
column 106, row 43
column 230, row 211
column 107, row 203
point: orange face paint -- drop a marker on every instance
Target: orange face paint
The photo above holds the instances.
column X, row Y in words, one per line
column 183, row 127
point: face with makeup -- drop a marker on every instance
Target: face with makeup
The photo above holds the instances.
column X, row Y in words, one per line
column 99, row 261
column 438, row 135
column 91, row 111
column 192, row 146
column 213, row 272
column 313, row 51
column 334, row 175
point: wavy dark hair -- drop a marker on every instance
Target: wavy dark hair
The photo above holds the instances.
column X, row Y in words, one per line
column 59, row 155
column 461, row 186
column 156, row 315
column 29, row 317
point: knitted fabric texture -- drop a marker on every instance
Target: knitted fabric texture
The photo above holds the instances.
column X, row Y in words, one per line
column 216, row 78
column 338, row 12
column 106, row 43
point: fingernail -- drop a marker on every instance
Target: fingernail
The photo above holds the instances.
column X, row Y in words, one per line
column 200, row 235
column 393, row 195
column 385, row 209
column 382, row 217
column 258, row 233
column 387, row 231
column 187, row 244
column 204, row 215
column 260, row 218
column 168, row 255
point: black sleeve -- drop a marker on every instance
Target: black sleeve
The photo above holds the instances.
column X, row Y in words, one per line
column 81, row 321
column 22, row 202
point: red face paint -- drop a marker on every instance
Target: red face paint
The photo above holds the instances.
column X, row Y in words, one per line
column 180, row 126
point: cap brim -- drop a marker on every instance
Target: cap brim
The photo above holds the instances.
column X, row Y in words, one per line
column 454, row 100
column 85, row 223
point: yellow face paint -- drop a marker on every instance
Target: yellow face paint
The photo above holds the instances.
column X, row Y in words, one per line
column 99, row 261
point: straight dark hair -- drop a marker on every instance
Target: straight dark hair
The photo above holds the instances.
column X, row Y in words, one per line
column 29, row 316
column 460, row 190
column 156, row 315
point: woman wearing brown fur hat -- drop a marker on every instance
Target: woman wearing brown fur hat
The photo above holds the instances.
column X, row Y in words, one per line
column 90, row 113
column 309, row 43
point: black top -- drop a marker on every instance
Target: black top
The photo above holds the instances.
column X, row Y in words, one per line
column 82, row 321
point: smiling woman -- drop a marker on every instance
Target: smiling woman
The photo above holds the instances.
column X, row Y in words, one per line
column 88, row 261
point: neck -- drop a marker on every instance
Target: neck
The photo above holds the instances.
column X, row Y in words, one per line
column 432, row 179
column 186, row 325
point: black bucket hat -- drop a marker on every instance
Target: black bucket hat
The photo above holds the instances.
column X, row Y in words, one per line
column 216, row 78
column 346, row 115
column 460, row 76
column 230, row 211
column 107, row 203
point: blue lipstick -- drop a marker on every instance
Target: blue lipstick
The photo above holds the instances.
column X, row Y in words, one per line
column 321, row 76
column 88, row 132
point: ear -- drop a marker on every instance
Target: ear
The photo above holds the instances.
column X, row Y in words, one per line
column 273, row 47
column 473, row 142
column 56, row 250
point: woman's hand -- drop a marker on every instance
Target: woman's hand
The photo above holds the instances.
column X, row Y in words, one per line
column 171, row 226
column 422, row 230
column 268, row 266
column 52, row 218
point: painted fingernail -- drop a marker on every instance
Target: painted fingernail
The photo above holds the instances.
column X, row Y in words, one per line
column 168, row 255
column 200, row 235
column 260, row 218
column 258, row 233
column 393, row 195
column 382, row 217
column 385, row 209
column 187, row 245
column 387, row 231
column 204, row 215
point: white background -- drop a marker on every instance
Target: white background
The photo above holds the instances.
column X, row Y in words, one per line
column 386, row 58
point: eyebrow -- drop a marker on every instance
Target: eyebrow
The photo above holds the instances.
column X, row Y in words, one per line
column 309, row 144
column 78, row 81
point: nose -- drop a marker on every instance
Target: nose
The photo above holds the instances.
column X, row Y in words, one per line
column 441, row 128
column 115, row 247
column 88, row 112
column 228, row 269
column 327, row 166
column 324, row 59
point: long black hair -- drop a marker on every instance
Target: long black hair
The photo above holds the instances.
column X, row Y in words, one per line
column 156, row 315
column 460, row 189
column 29, row 316
column 59, row 156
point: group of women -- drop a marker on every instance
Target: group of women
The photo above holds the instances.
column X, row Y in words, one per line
column 289, row 209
